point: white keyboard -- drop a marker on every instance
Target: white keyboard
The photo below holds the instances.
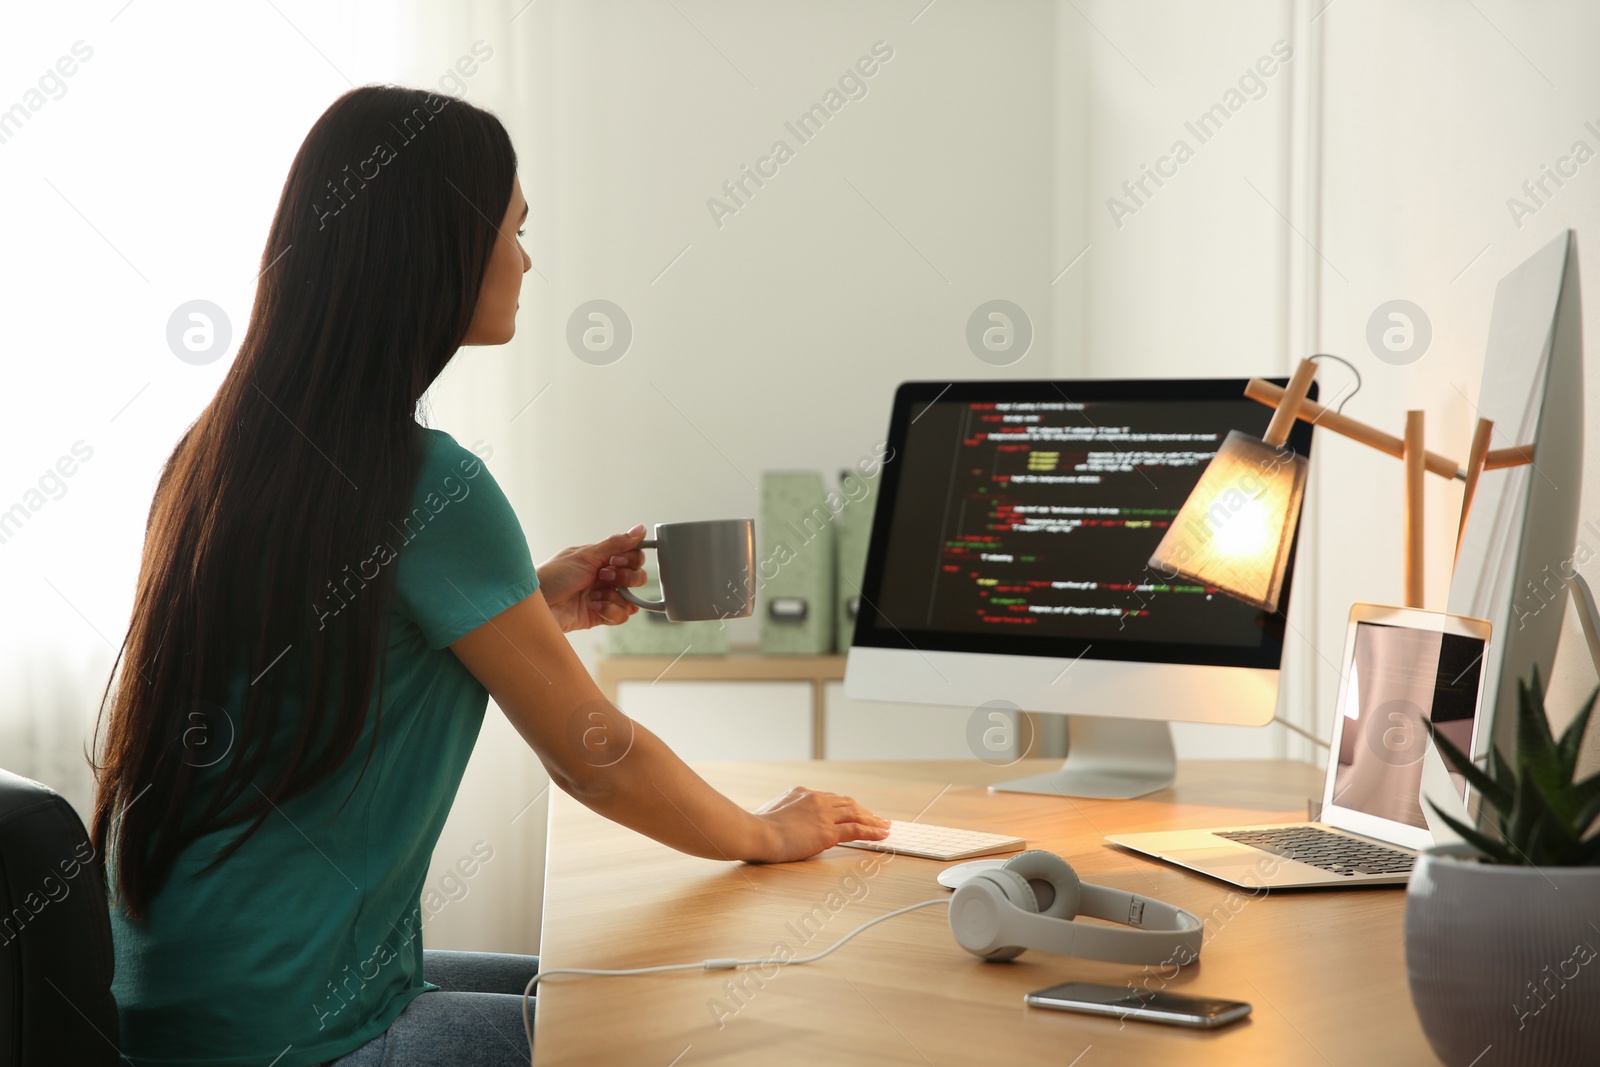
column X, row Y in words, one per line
column 939, row 842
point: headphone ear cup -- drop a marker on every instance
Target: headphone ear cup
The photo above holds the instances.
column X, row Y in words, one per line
column 976, row 915
column 1015, row 887
column 1053, row 885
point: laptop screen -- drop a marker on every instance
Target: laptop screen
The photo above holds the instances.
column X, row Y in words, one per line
column 1398, row 676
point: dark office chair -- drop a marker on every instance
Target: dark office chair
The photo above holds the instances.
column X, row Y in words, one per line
column 55, row 935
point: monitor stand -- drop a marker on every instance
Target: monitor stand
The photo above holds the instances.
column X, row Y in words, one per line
column 1107, row 759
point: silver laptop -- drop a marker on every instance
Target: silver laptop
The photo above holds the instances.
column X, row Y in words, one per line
column 1400, row 665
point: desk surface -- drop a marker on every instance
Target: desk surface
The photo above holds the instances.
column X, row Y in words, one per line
column 1325, row 969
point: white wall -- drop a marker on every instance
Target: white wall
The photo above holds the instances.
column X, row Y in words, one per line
column 1189, row 284
column 777, row 339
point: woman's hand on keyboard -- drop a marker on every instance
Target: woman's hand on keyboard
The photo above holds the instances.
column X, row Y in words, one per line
column 804, row 822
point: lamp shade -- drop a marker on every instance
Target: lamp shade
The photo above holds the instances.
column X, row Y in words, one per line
column 1234, row 531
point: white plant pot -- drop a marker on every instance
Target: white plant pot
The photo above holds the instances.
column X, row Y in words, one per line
column 1504, row 962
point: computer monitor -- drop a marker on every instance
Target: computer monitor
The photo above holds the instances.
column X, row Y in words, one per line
column 1522, row 536
column 1008, row 569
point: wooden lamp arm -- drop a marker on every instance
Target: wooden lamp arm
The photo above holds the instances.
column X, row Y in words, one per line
column 1266, row 393
column 1477, row 463
column 1271, row 395
column 1500, row 458
column 1291, row 404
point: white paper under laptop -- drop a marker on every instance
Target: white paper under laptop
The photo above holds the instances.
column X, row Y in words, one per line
column 1401, row 665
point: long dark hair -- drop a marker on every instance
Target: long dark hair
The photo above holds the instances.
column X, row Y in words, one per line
column 290, row 476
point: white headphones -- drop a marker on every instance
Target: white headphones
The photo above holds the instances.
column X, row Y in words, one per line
column 1031, row 900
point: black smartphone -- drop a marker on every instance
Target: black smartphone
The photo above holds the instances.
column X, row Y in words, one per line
column 1175, row 1009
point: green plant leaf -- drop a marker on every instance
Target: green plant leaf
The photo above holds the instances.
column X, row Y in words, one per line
column 1498, row 794
column 1504, row 774
column 1586, row 817
column 1586, row 800
column 1550, row 840
column 1524, row 815
column 1572, row 737
column 1541, row 813
column 1496, row 850
column 1534, row 851
column 1587, row 854
column 1536, row 753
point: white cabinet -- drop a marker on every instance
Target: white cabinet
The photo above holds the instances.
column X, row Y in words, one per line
column 724, row 720
column 747, row 706
column 873, row 729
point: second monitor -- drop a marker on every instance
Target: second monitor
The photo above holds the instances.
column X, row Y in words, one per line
column 1008, row 569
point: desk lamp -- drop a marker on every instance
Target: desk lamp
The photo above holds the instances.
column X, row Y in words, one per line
column 1234, row 531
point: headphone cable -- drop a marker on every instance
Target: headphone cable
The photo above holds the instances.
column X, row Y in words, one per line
column 707, row 965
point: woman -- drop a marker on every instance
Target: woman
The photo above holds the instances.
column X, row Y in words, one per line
column 328, row 595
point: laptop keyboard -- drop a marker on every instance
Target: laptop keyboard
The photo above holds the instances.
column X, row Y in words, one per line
column 1332, row 852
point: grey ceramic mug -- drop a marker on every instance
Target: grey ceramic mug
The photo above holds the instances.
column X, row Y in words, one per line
column 708, row 569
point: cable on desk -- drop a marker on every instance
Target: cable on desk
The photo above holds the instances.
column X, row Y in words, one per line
column 707, row 965
column 1285, row 723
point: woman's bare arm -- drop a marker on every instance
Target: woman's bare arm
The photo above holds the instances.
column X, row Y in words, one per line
column 623, row 771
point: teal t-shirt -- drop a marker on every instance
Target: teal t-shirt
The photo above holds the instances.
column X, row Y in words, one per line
column 305, row 944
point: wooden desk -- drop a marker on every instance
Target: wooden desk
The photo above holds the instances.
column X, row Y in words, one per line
column 1325, row 969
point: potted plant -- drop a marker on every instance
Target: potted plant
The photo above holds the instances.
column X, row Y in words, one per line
column 1503, row 931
